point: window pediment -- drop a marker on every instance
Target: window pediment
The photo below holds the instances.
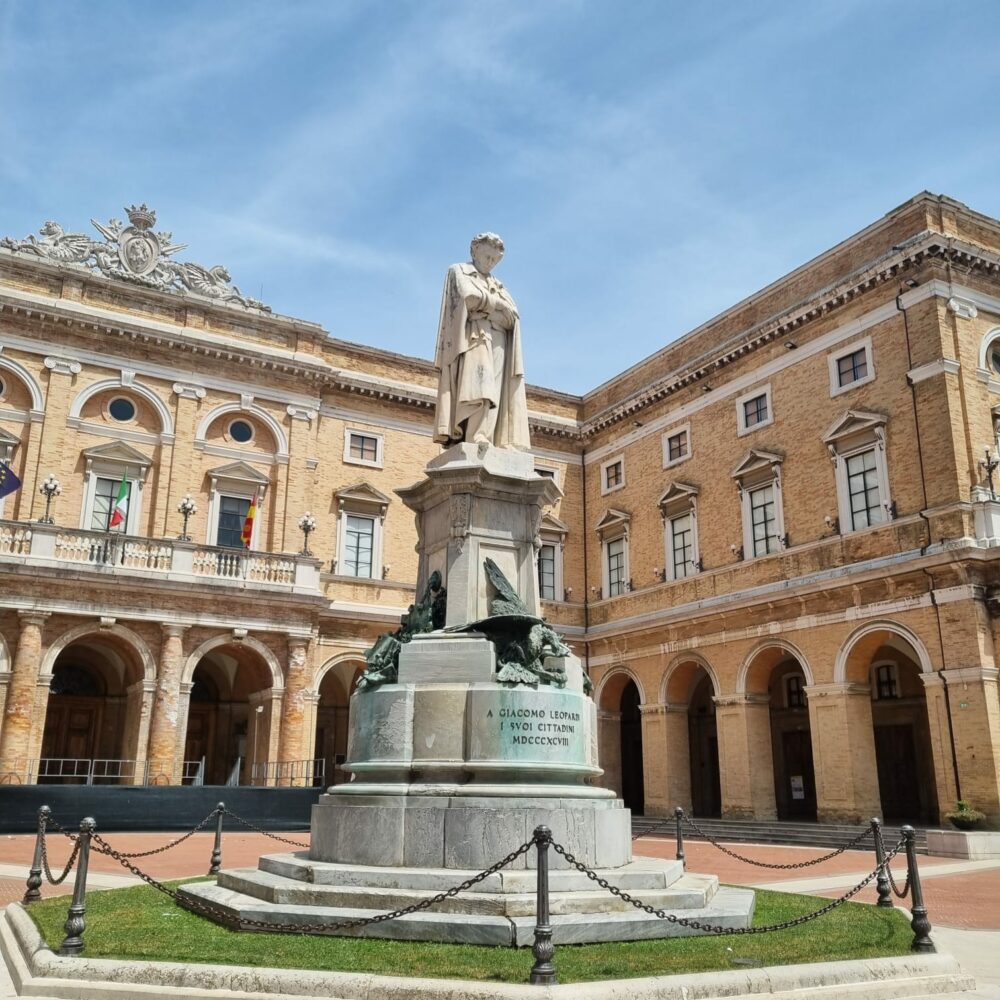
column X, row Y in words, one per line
column 551, row 525
column 8, row 443
column 613, row 524
column 756, row 466
column 241, row 472
column 678, row 499
column 363, row 497
column 115, row 457
column 855, row 425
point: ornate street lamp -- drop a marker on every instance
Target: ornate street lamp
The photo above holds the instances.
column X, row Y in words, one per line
column 186, row 508
column 307, row 525
column 989, row 465
column 49, row 489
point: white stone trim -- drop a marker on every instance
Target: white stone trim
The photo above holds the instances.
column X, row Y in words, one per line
column 668, row 462
column 110, row 468
column 865, row 344
column 23, row 375
column 242, row 489
column 942, row 366
column 379, row 460
column 741, row 425
column 140, row 390
column 249, row 642
column 277, row 432
column 881, row 625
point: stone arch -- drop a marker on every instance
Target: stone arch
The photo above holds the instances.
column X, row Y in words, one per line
column 331, row 664
column 614, row 682
column 767, row 655
column 991, row 337
column 247, row 642
column 277, row 432
column 861, row 644
column 106, row 385
column 29, row 380
column 675, row 678
column 126, row 635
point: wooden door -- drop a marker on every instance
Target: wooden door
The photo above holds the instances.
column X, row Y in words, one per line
column 898, row 775
column 798, row 778
column 633, row 791
column 198, row 742
column 72, row 725
column 706, row 783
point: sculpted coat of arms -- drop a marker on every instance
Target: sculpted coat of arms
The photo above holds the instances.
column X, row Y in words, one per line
column 133, row 253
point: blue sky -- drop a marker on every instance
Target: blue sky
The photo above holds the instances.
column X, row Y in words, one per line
column 648, row 164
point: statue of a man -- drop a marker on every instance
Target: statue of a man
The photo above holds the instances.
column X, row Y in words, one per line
column 481, row 396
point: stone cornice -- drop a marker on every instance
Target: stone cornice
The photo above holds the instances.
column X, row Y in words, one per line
column 925, row 246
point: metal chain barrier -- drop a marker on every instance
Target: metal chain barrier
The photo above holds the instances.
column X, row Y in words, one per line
column 173, row 843
column 718, row 929
column 69, row 864
column 901, row 894
column 266, row 833
column 214, row 913
column 788, row 867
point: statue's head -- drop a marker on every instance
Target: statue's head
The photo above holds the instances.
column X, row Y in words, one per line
column 487, row 250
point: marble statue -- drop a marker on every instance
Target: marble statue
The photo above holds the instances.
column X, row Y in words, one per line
column 481, row 394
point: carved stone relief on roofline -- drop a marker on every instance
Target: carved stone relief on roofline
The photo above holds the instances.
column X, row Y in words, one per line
column 133, row 253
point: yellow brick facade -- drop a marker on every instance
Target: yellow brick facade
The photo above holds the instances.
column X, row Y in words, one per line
column 777, row 666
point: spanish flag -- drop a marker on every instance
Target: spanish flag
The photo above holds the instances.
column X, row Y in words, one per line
column 256, row 506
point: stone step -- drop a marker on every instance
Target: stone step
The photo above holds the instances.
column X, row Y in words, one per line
column 729, row 908
column 832, row 835
column 649, row 874
column 690, row 891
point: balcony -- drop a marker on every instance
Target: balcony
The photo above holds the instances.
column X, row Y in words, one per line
column 42, row 546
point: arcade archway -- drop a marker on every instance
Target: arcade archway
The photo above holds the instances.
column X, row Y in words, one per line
column 337, row 684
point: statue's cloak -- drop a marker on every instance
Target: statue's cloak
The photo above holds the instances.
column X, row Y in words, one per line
column 458, row 354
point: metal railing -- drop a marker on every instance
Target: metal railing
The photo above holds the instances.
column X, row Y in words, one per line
column 290, row 773
column 87, row 771
column 193, row 772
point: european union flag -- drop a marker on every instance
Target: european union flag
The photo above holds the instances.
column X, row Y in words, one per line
column 8, row 481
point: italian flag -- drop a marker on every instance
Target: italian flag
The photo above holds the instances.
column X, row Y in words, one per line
column 121, row 505
column 246, row 535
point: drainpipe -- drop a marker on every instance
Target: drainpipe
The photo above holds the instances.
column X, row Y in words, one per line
column 586, row 580
column 930, row 538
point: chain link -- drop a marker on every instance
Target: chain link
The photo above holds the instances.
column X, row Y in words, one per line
column 716, row 929
column 173, row 843
column 901, row 894
column 45, row 858
column 267, row 833
column 656, row 828
column 221, row 916
column 787, row 867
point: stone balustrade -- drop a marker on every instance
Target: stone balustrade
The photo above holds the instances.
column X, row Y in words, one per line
column 40, row 545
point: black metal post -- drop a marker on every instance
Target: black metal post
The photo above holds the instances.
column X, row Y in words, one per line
column 882, row 880
column 34, row 884
column 543, row 972
column 679, row 818
column 75, row 924
column 918, row 912
column 217, row 847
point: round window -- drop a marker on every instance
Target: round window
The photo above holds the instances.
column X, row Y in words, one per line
column 122, row 409
column 240, row 431
column 995, row 357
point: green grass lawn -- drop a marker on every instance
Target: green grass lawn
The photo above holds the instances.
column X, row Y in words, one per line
column 142, row 923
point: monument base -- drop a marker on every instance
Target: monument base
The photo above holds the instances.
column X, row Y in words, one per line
column 293, row 890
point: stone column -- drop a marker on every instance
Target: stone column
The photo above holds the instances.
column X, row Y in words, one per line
column 294, row 717
column 746, row 763
column 164, row 727
column 19, row 709
column 939, row 725
column 666, row 759
column 138, row 709
column 975, row 718
column 843, row 744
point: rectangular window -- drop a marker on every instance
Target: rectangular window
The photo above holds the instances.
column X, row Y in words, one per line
column 105, row 498
column 885, row 682
column 363, row 448
column 863, row 491
column 763, row 521
column 852, row 367
column 795, row 696
column 547, row 573
column 677, row 446
column 547, row 473
column 616, row 567
column 755, row 410
column 682, row 546
column 359, row 544
column 232, row 514
column 612, row 475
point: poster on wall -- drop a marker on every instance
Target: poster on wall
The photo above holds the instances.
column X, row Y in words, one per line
column 798, row 787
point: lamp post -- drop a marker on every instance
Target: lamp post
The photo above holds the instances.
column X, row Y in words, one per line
column 186, row 508
column 49, row 489
column 307, row 525
column 989, row 465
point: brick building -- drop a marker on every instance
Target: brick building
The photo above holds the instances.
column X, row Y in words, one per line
column 776, row 551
